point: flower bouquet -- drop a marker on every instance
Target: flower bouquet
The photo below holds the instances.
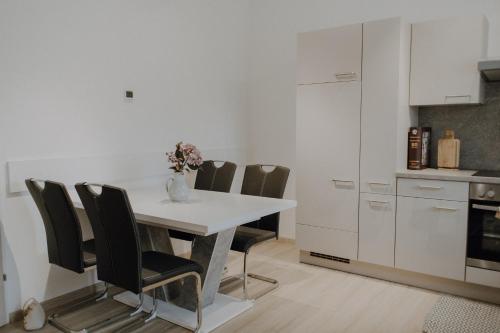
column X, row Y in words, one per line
column 186, row 157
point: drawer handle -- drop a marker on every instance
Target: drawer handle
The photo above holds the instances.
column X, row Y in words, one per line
column 345, row 75
column 428, row 187
column 445, row 208
column 379, row 183
column 378, row 202
column 343, row 182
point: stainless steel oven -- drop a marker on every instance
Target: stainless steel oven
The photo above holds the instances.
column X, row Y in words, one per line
column 483, row 238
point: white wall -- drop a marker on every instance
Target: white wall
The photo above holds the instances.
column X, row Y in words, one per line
column 218, row 73
column 64, row 68
column 274, row 26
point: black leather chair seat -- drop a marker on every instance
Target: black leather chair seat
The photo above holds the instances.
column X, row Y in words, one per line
column 246, row 237
column 89, row 257
column 181, row 235
column 157, row 266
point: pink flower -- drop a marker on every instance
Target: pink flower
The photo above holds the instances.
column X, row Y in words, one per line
column 186, row 156
column 172, row 158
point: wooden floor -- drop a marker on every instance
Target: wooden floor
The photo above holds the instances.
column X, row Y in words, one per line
column 309, row 299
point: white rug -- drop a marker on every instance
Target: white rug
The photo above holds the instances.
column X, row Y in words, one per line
column 459, row 315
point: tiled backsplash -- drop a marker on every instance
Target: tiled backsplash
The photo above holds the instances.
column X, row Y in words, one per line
column 477, row 127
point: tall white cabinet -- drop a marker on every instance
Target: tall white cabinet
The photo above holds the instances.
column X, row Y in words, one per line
column 385, row 118
column 352, row 98
column 328, row 139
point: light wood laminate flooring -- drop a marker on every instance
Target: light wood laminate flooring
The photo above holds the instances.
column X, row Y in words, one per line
column 309, row 299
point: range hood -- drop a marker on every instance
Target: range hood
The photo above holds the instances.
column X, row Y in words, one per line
column 490, row 69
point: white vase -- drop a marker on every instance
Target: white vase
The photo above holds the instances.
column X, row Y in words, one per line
column 177, row 187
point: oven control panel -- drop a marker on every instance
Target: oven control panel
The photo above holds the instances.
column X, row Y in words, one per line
column 480, row 191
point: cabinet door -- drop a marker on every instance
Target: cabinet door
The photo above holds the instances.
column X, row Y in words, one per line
column 328, row 126
column 444, row 56
column 329, row 55
column 382, row 92
column 431, row 236
column 377, row 227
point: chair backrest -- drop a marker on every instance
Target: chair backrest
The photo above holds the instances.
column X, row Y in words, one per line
column 272, row 184
column 213, row 178
column 63, row 230
column 117, row 240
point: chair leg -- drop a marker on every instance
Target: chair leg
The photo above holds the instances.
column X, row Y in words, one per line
column 199, row 305
column 78, row 305
column 199, row 302
column 108, row 321
column 246, row 275
column 154, row 310
column 83, row 302
column 104, row 294
column 274, row 283
column 140, row 307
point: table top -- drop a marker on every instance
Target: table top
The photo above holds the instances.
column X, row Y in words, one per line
column 205, row 213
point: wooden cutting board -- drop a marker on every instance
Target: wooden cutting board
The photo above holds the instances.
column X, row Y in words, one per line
column 449, row 151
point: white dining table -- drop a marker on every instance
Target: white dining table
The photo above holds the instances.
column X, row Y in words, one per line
column 213, row 217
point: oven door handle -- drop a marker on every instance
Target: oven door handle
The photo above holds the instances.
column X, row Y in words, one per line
column 488, row 208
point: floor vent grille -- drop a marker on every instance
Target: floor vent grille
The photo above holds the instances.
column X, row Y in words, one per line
column 328, row 257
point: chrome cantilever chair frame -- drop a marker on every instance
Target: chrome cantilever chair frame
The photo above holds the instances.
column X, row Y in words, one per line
column 199, row 305
column 53, row 318
column 244, row 277
column 75, row 306
column 154, row 310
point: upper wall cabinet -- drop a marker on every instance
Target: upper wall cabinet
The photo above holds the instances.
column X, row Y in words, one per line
column 330, row 55
column 444, row 56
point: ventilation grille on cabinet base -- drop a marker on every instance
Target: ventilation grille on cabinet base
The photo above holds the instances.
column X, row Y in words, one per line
column 328, row 257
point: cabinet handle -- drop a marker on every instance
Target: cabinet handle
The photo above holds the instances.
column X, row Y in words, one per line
column 427, row 187
column 485, row 207
column 345, row 75
column 378, row 202
column 456, row 96
column 445, row 208
column 342, row 181
column 379, row 183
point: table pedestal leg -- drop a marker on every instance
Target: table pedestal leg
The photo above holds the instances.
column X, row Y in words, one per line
column 211, row 252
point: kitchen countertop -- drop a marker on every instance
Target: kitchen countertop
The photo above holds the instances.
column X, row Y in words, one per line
column 443, row 174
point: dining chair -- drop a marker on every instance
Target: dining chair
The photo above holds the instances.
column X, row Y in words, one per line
column 209, row 177
column 65, row 245
column 119, row 252
column 259, row 182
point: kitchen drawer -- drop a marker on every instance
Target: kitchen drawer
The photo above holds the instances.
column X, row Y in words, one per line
column 481, row 276
column 433, row 189
column 334, row 242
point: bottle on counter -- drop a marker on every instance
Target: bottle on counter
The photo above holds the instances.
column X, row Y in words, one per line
column 419, row 144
